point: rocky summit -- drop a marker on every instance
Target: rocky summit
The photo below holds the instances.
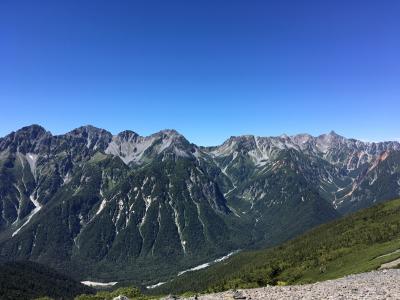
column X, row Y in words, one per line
column 130, row 207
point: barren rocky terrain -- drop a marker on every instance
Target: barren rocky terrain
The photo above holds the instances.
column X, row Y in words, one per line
column 381, row 284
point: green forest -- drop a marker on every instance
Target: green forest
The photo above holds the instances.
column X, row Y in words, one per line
column 350, row 245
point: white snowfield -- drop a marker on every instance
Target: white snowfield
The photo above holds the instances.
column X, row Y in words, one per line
column 376, row 285
column 99, row 284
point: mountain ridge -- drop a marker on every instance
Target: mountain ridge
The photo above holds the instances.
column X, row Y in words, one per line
column 108, row 201
column 166, row 130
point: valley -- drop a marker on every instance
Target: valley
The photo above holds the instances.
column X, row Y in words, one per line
column 135, row 209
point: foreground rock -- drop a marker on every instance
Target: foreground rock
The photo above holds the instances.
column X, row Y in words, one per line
column 373, row 285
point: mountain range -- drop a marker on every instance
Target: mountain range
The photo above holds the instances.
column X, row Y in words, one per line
column 137, row 208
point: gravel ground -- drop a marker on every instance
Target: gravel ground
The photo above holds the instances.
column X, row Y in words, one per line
column 384, row 284
column 392, row 264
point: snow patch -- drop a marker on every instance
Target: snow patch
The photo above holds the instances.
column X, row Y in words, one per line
column 33, row 212
column 101, row 207
column 99, row 284
column 120, row 208
column 178, row 226
column 205, row 265
column 155, row 285
column 67, row 179
column 32, row 160
column 199, row 216
column 147, row 202
column 374, row 178
column 234, row 211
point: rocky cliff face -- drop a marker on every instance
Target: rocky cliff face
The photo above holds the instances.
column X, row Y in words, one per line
column 95, row 203
column 340, row 169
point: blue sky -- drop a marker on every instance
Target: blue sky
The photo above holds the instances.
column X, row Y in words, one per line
column 209, row 69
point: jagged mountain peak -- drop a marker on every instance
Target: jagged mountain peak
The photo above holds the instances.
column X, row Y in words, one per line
column 331, row 136
column 333, row 133
column 89, row 130
column 302, row 138
column 27, row 139
column 170, row 132
column 331, row 147
column 95, row 139
column 172, row 138
column 247, row 141
column 133, row 148
column 164, row 134
column 34, row 128
column 237, row 141
column 32, row 132
column 241, row 143
column 127, row 135
column 284, row 136
column 243, row 137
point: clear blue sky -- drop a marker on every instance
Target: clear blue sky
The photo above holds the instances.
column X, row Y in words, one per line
column 208, row 68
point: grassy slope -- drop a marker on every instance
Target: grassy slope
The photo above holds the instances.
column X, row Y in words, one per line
column 349, row 245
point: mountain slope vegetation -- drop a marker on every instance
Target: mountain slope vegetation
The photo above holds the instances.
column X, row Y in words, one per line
column 29, row 280
column 359, row 242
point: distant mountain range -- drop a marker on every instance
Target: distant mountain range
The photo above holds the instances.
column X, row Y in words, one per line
column 127, row 207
